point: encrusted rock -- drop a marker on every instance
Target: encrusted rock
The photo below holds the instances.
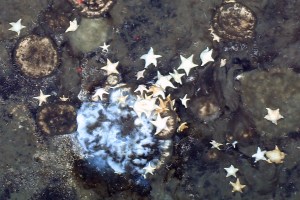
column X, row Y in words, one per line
column 234, row 21
column 57, row 119
column 93, row 8
column 54, row 22
column 36, row 56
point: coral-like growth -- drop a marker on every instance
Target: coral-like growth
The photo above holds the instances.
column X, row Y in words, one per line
column 112, row 135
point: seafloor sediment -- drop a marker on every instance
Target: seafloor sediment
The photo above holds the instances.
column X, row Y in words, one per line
column 227, row 100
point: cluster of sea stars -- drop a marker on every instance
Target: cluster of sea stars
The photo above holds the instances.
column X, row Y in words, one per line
column 231, row 171
column 159, row 88
column 164, row 81
column 274, row 156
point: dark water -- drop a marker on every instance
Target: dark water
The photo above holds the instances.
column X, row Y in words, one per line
column 45, row 153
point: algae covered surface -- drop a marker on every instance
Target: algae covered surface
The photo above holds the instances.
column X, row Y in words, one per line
column 78, row 144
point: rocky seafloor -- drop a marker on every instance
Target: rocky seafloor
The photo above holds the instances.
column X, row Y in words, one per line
column 40, row 158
